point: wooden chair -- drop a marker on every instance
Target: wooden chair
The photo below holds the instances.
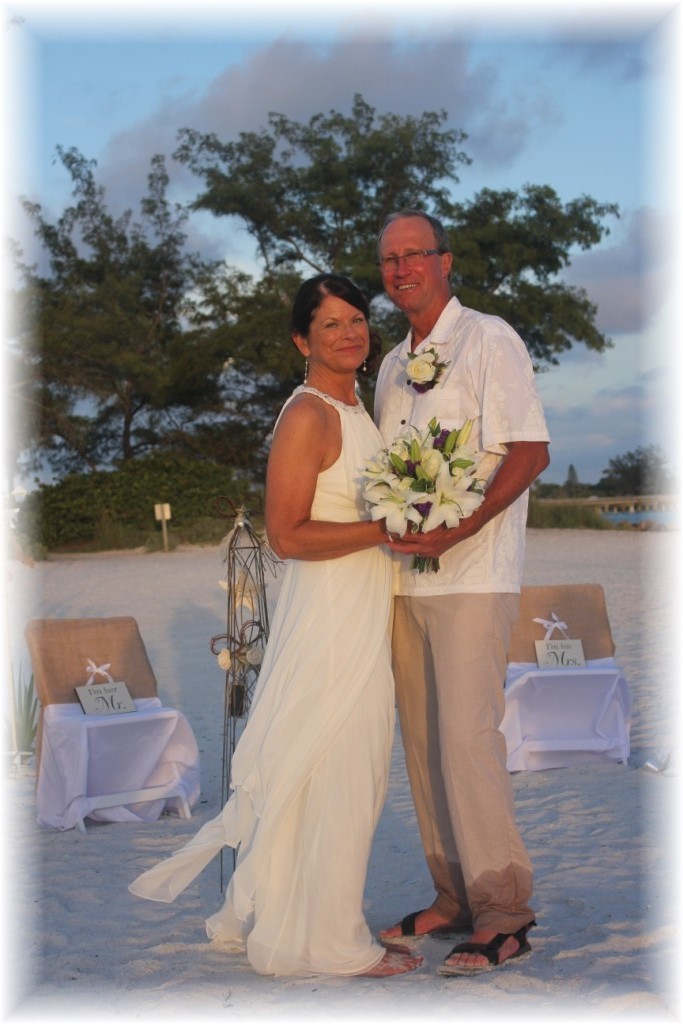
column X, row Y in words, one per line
column 119, row 767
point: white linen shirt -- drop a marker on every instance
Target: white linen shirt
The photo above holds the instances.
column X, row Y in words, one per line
column 490, row 380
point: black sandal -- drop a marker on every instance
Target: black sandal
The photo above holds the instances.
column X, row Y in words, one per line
column 407, row 926
column 489, row 950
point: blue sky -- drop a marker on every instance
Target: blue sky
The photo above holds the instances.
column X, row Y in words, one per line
column 580, row 98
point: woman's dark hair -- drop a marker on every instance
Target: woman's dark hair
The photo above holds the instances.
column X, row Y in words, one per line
column 309, row 298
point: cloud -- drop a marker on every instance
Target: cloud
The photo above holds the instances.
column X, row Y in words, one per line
column 630, row 279
column 615, row 421
column 300, row 79
column 620, row 56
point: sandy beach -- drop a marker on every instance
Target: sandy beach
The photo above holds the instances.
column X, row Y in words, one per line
column 602, row 838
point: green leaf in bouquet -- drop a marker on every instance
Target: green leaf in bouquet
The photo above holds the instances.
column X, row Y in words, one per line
column 465, row 431
column 398, row 463
column 450, row 442
column 415, row 450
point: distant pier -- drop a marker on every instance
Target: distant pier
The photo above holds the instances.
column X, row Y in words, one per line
column 625, row 503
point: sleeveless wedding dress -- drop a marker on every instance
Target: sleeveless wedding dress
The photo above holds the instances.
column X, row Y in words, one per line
column 310, row 771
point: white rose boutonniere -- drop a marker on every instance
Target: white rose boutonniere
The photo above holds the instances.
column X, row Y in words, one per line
column 424, row 370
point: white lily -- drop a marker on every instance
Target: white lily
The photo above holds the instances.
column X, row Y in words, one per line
column 450, row 511
column 375, row 467
column 394, row 502
column 452, row 501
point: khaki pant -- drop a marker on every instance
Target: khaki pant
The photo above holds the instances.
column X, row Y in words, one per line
column 450, row 656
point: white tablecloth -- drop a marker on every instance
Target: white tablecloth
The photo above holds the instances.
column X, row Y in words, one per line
column 555, row 718
column 86, row 756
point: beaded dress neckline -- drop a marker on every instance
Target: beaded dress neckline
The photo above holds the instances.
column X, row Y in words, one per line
column 307, row 389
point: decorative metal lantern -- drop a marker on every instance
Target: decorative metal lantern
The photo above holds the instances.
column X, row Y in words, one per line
column 240, row 649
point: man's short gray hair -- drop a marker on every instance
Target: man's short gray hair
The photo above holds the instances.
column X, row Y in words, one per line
column 440, row 236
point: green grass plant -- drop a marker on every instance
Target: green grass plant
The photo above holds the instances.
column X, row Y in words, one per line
column 25, row 715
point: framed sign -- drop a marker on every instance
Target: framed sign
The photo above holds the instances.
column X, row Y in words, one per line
column 560, row 654
column 105, row 699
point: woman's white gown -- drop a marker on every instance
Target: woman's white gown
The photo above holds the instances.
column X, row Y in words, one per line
column 309, row 773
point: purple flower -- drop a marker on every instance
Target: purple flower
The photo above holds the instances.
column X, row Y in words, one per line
column 423, row 508
column 440, row 439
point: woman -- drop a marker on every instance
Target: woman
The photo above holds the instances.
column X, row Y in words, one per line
column 309, row 773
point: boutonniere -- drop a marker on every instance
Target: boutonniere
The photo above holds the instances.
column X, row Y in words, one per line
column 424, row 370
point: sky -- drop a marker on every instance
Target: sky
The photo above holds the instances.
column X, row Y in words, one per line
column 581, row 97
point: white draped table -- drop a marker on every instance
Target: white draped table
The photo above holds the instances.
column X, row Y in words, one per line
column 86, row 757
column 555, row 718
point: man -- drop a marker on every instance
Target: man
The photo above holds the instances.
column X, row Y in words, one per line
column 452, row 628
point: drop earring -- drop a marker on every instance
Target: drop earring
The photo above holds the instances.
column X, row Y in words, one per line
column 305, row 371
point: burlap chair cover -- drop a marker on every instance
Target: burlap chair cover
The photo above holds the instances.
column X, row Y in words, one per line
column 580, row 605
column 61, row 648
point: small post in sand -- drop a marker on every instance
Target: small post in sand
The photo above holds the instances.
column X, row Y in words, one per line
column 163, row 512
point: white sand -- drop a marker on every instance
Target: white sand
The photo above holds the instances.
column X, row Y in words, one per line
column 602, row 838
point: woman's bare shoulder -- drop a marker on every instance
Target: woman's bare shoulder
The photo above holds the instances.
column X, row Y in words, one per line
column 305, row 411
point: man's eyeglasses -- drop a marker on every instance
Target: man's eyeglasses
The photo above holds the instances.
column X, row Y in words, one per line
column 411, row 259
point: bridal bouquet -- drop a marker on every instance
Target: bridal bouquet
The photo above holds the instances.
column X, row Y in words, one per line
column 424, row 478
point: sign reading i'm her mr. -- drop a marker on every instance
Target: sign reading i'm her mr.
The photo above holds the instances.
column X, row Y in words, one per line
column 107, row 698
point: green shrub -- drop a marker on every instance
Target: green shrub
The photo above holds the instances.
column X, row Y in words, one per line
column 110, row 510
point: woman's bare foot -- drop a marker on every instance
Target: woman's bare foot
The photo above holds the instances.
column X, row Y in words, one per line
column 392, row 963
